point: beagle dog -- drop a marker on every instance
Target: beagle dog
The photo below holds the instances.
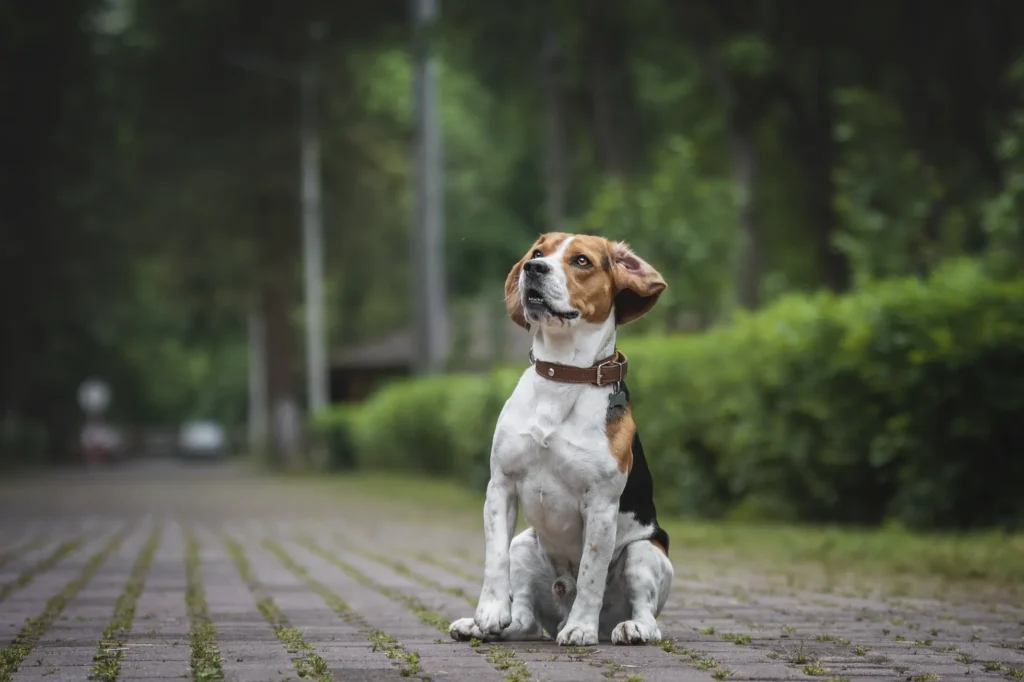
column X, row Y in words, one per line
column 593, row 565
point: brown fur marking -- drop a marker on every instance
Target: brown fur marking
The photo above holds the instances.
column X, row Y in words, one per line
column 513, row 303
column 591, row 289
column 659, row 546
column 616, row 277
column 637, row 285
column 547, row 243
column 620, row 439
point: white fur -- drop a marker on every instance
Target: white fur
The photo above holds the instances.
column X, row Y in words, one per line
column 550, row 453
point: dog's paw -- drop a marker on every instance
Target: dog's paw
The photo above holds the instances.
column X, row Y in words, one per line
column 524, row 623
column 493, row 616
column 464, row 629
column 577, row 635
column 634, row 632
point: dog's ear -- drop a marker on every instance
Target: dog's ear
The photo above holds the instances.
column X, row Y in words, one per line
column 513, row 301
column 637, row 284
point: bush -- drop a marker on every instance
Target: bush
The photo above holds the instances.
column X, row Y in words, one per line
column 333, row 429
column 901, row 402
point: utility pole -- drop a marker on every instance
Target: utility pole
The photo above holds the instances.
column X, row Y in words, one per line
column 429, row 302
column 312, row 227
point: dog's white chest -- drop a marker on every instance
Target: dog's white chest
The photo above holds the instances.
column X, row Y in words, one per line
column 551, row 441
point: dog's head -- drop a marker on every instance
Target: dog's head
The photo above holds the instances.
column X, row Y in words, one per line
column 566, row 278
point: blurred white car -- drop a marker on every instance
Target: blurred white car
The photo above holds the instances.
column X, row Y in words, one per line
column 202, row 438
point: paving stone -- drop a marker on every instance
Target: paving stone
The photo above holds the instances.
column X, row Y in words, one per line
column 847, row 629
column 31, row 601
column 249, row 649
column 33, row 549
column 72, row 639
column 537, row 655
column 158, row 643
column 438, row 660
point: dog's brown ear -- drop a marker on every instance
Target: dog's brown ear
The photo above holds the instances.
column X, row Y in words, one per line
column 637, row 284
column 513, row 301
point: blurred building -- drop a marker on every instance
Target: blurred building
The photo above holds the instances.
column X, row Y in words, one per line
column 481, row 338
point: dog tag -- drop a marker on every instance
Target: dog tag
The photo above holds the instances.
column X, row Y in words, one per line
column 617, row 399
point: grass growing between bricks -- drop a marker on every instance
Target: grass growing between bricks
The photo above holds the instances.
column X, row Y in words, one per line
column 204, row 656
column 109, row 653
column 308, row 664
column 450, row 567
column 736, row 638
column 612, row 667
column 12, row 655
column 695, row 659
column 9, row 555
column 993, row 557
column 421, row 610
column 402, row 569
column 44, row 564
column 408, row 661
column 515, row 670
column 505, row 660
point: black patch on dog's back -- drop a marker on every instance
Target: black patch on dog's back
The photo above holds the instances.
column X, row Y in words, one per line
column 638, row 495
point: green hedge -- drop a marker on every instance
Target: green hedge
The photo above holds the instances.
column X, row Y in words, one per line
column 904, row 401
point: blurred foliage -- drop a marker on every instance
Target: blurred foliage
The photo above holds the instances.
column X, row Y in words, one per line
column 678, row 215
column 150, row 186
column 901, row 402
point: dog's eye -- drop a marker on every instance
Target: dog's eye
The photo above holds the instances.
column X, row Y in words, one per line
column 537, row 254
column 581, row 261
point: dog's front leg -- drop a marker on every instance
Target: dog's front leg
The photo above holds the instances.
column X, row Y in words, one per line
column 494, row 609
column 600, row 518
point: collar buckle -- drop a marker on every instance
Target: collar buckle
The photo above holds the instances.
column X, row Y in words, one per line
column 609, row 363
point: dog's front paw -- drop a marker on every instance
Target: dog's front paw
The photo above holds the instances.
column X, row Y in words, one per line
column 634, row 632
column 464, row 629
column 493, row 616
column 577, row 635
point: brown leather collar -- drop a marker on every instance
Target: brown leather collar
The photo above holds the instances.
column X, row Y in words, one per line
column 602, row 373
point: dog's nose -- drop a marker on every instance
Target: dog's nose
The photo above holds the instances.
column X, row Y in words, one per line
column 536, row 267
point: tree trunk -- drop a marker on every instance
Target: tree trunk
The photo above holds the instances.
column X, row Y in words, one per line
column 834, row 267
column 554, row 131
column 611, row 89
column 280, row 376
column 276, row 288
column 812, row 141
column 742, row 115
column 750, row 261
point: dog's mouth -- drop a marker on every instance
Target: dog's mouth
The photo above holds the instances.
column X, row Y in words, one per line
column 536, row 302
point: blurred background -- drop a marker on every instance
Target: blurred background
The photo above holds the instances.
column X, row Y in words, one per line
column 281, row 229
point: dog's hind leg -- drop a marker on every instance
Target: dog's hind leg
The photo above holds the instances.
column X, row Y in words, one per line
column 646, row 580
column 530, row 576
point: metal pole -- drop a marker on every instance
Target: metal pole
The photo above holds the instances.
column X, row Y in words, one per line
column 312, row 232
column 431, row 314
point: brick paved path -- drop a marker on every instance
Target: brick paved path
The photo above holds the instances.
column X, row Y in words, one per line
column 162, row 572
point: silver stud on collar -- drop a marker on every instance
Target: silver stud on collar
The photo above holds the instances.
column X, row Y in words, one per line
column 551, row 371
